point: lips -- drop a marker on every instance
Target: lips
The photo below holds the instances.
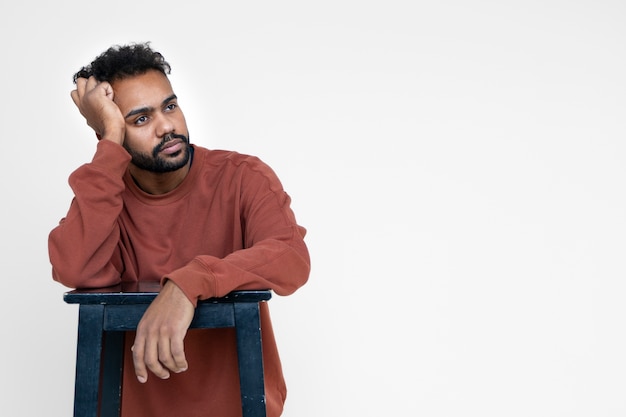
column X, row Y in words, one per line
column 172, row 146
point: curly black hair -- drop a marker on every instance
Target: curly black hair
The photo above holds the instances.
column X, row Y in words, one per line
column 121, row 61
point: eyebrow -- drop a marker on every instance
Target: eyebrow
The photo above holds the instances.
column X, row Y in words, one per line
column 148, row 109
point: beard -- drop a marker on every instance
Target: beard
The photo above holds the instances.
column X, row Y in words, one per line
column 155, row 162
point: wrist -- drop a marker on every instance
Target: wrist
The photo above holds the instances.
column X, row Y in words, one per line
column 115, row 135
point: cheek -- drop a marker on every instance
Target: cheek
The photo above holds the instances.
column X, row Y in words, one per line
column 135, row 142
column 181, row 123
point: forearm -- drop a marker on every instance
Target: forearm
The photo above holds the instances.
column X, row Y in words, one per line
column 280, row 264
column 83, row 247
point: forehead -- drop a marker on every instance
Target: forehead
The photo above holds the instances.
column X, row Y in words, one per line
column 148, row 89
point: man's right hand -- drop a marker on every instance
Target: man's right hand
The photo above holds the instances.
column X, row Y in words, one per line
column 94, row 100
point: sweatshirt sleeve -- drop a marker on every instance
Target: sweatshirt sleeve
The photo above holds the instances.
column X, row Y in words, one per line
column 83, row 248
column 274, row 256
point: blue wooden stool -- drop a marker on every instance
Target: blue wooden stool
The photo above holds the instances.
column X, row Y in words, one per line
column 103, row 316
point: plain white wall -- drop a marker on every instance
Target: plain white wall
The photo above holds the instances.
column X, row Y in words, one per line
column 459, row 166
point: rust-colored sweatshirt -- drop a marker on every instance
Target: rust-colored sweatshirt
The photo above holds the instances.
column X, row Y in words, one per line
column 228, row 226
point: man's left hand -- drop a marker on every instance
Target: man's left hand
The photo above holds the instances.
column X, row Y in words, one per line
column 159, row 343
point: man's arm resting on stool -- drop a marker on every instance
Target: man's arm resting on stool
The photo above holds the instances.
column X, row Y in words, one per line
column 159, row 343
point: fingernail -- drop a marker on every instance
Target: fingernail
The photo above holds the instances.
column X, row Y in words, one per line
column 142, row 379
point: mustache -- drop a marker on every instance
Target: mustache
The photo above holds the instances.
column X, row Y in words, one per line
column 167, row 138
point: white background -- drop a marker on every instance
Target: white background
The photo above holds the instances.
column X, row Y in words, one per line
column 459, row 166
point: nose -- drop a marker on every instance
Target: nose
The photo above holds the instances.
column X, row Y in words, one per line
column 164, row 125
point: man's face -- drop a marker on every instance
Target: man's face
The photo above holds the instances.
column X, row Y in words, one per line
column 156, row 131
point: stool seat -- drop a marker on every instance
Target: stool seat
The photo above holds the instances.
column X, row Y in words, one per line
column 106, row 313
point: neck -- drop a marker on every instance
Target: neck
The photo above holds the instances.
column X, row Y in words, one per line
column 158, row 183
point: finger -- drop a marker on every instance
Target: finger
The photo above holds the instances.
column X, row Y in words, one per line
column 75, row 97
column 165, row 355
column 103, row 87
column 91, row 83
column 79, row 91
column 172, row 358
column 108, row 90
column 178, row 355
column 140, row 366
column 81, row 84
column 151, row 358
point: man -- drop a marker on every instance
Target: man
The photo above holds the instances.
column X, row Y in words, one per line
column 152, row 207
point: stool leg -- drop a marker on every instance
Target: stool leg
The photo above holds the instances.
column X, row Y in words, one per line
column 112, row 364
column 89, row 347
column 250, row 356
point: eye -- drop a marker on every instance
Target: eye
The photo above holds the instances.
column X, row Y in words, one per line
column 171, row 106
column 141, row 120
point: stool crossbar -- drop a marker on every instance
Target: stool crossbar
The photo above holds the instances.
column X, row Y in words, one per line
column 106, row 313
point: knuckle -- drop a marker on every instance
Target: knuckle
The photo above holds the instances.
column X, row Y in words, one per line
column 152, row 363
column 178, row 351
